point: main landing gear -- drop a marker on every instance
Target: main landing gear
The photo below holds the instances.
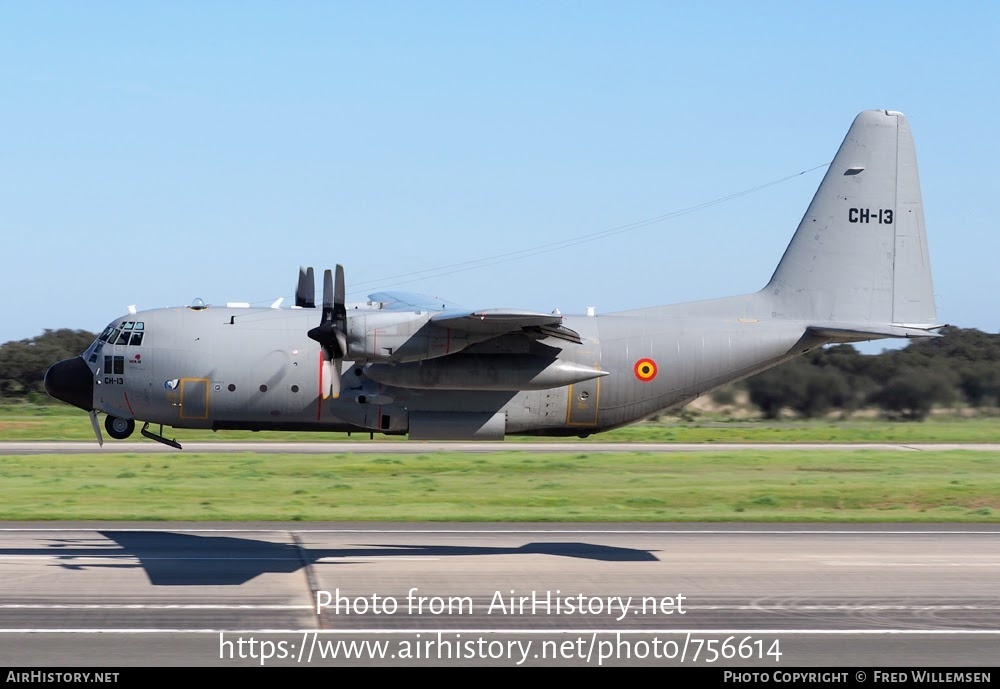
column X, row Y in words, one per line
column 119, row 429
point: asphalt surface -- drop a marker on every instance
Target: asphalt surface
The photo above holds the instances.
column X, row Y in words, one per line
column 105, row 595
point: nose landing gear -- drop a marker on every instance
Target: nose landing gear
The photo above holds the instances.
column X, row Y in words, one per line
column 118, row 428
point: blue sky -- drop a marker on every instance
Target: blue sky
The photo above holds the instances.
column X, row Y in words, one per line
column 156, row 152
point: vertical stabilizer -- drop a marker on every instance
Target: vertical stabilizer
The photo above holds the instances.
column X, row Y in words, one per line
column 860, row 253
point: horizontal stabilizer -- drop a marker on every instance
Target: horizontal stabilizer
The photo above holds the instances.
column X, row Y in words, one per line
column 861, row 331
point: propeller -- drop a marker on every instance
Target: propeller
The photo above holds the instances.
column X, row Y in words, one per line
column 305, row 296
column 331, row 333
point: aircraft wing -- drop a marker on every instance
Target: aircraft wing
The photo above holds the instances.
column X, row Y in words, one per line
column 502, row 321
column 408, row 301
column 489, row 321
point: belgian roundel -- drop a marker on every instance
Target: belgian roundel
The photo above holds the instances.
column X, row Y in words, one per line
column 645, row 370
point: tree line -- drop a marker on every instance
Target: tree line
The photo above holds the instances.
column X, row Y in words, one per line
column 961, row 368
column 23, row 362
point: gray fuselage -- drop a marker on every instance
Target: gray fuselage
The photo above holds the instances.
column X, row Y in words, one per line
column 228, row 368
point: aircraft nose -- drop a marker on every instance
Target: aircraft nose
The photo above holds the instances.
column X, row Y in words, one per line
column 71, row 381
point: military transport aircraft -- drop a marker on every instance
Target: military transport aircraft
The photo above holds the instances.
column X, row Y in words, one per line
column 856, row 269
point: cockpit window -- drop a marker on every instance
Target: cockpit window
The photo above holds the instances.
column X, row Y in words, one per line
column 131, row 333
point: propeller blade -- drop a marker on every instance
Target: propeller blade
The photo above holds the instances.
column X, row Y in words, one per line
column 97, row 427
column 338, row 365
column 305, row 293
column 327, row 378
column 327, row 289
column 323, row 333
column 338, row 293
column 340, row 337
column 340, row 313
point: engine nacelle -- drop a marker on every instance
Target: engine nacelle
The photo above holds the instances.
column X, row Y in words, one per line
column 483, row 372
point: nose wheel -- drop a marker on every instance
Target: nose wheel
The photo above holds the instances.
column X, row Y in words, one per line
column 118, row 428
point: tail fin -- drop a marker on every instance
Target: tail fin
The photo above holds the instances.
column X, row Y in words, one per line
column 859, row 256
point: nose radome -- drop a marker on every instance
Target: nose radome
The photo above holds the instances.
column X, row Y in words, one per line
column 72, row 382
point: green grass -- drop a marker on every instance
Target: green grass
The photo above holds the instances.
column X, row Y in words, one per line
column 959, row 486
column 945, row 429
column 61, row 422
column 848, row 486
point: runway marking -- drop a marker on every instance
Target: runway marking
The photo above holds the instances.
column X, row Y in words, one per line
column 312, row 582
column 913, row 564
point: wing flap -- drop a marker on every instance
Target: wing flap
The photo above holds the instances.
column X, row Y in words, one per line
column 560, row 332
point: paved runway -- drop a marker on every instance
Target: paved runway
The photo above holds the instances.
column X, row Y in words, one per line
column 416, row 447
column 769, row 596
